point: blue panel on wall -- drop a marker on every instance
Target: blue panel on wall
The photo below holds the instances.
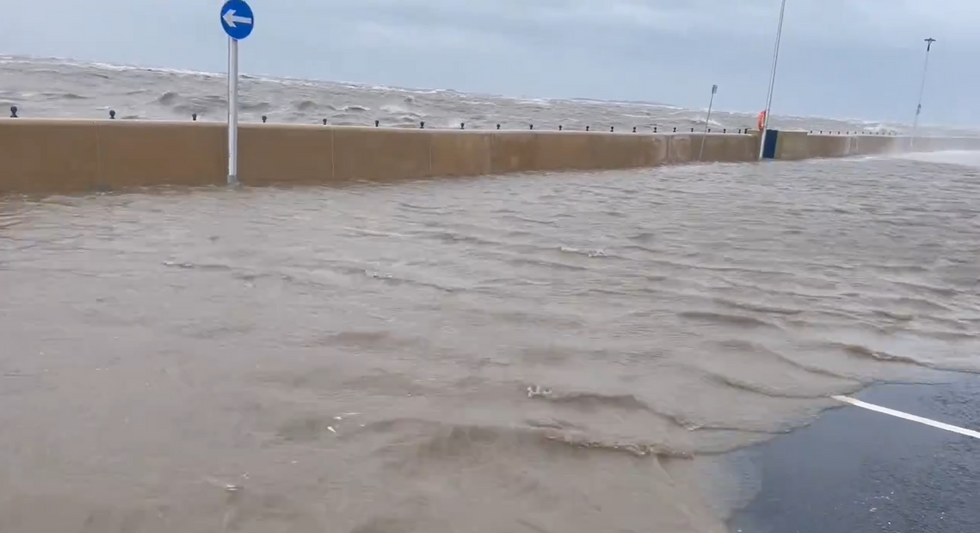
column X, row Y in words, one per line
column 769, row 150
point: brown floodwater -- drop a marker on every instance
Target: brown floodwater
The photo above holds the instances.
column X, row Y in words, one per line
column 544, row 353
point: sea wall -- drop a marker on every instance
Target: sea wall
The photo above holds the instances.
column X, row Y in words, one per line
column 795, row 145
column 65, row 156
column 84, row 155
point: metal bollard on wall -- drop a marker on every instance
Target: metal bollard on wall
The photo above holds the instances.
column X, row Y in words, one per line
column 675, row 129
column 264, row 119
column 559, row 127
column 112, row 114
column 587, row 128
column 532, row 126
column 655, row 129
column 194, row 117
column 377, row 123
column 422, row 125
column 612, row 129
column 13, row 111
column 462, row 125
column 324, row 122
column 634, row 129
column 498, row 126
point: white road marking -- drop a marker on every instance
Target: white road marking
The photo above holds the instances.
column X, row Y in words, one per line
column 906, row 416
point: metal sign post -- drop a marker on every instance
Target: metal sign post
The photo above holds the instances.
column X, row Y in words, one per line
column 237, row 20
column 922, row 90
column 772, row 79
column 232, row 111
column 707, row 120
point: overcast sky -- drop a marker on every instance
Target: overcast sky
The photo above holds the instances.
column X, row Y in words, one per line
column 840, row 58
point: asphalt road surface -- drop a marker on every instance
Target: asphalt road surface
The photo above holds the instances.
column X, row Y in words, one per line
column 858, row 471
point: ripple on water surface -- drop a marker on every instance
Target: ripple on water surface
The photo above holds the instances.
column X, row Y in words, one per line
column 524, row 353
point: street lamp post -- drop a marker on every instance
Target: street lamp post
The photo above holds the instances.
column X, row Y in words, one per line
column 922, row 90
column 772, row 79
column 707, row 120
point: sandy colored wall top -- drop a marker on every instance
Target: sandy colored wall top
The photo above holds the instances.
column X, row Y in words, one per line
column 46, row 156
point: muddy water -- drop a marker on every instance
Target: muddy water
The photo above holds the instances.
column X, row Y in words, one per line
column 550, row 353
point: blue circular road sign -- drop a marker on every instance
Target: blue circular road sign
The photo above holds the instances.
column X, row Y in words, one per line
column 237, row 19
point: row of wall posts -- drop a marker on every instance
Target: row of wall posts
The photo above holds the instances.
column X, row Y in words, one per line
column 462, row 125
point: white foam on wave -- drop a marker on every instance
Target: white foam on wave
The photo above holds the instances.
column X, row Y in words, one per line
column 879, row 128
column 593, row 101
column 396, row 109
column 112, row 67
column 129, row 68
column 562, row 109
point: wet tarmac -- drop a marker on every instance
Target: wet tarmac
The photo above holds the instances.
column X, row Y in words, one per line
column 857, row 471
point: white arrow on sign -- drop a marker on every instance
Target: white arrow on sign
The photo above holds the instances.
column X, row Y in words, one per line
column 231, row 19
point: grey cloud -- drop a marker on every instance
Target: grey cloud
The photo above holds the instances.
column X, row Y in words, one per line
column 870, row 22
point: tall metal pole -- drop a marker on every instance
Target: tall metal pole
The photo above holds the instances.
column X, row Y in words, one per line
column 232, row 111
column 772, row 79
column 922, row 90
column 707, row 120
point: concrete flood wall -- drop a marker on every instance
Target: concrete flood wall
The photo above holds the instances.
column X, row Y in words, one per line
column 46, row 156
column 65, row 156
column 795, row 145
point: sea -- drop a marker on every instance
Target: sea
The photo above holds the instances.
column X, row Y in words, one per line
column 548, row 352
column 63, row 88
